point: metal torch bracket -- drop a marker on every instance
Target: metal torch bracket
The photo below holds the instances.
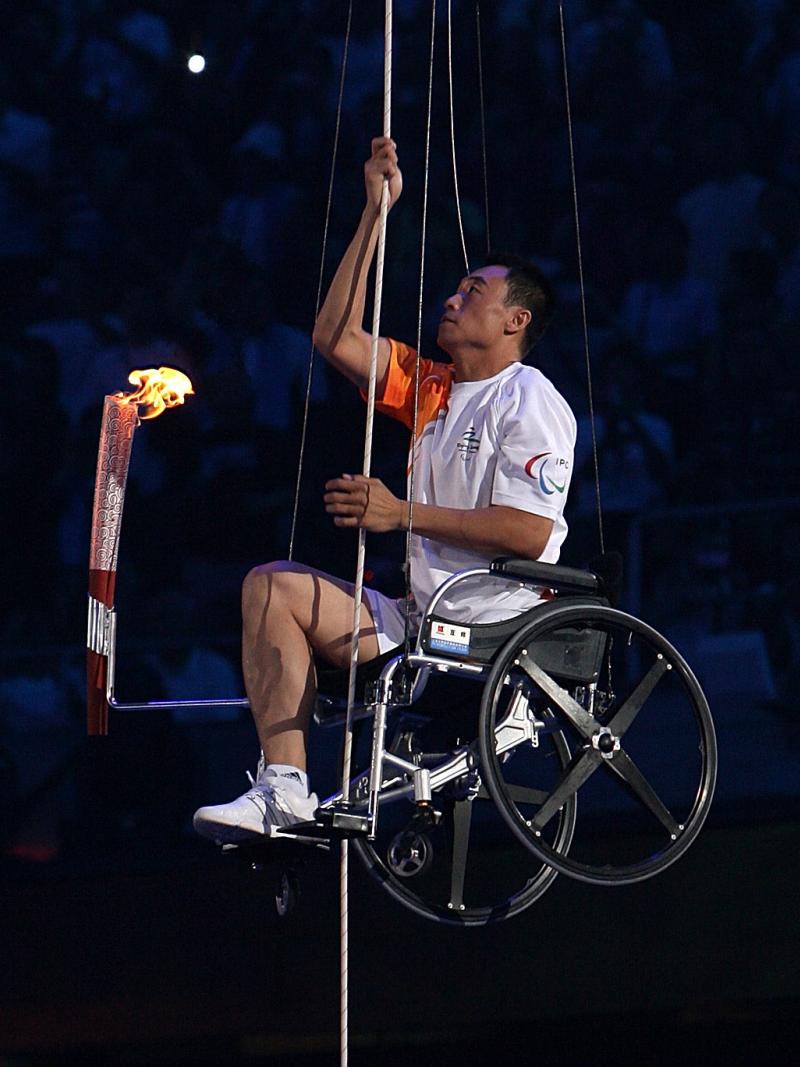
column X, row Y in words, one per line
column 102, row 638
column 98, row 627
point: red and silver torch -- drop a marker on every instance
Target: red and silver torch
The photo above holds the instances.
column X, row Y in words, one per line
column 157, row 389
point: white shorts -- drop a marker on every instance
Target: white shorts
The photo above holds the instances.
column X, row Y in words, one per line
column 389, row 618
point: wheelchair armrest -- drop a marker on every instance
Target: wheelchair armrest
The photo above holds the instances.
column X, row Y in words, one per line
column 551, row 575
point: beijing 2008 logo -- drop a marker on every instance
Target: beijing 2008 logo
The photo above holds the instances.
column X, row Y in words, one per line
column 542, row 475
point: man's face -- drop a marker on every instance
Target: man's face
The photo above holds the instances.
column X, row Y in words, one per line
column 475, row 316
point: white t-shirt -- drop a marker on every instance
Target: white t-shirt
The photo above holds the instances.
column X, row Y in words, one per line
column 505, row 440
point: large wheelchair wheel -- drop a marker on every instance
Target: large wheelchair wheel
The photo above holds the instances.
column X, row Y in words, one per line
column 461, row 867
column 644, row 751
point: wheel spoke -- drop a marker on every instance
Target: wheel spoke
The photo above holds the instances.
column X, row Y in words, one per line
column 520, row 794
column 657, row 816
column 462, row 820
column 580, row 768
column 633, row 705
column 624, row 766
column 583, row 722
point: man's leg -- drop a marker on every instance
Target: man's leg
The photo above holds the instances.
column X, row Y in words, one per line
column 289, row 613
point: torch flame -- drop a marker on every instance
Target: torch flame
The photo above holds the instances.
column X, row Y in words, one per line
column 157, row 390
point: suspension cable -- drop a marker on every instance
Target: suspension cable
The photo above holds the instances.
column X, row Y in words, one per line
column 373, row 374
column 359, row 582
column 326, row 227
column 414, row 426
column 580, row 276
column 453, row 131
column 483, row 126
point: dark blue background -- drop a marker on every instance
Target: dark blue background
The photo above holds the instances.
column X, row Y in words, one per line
column 149, row 215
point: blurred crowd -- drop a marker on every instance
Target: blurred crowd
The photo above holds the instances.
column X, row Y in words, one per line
column 151, row 215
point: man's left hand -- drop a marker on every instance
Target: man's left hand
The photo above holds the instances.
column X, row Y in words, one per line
column 354, row 500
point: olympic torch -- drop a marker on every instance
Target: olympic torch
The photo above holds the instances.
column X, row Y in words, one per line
column 157, row 390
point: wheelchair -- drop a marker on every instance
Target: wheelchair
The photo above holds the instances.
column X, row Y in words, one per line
column 483, row 738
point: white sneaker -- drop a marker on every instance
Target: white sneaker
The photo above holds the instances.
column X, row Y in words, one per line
column 271, row 801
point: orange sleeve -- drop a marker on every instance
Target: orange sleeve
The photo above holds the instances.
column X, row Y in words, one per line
column 398, row 392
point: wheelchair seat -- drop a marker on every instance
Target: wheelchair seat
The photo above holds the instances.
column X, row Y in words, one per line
column 575, row 660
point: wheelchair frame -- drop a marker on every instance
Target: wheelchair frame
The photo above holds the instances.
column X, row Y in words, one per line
column 542, row 675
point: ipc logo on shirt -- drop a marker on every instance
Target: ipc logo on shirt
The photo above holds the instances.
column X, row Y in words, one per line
column 550, row 471
column 468, row 443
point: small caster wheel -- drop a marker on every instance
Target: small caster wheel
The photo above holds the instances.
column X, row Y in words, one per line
column 409, row 854
column 287, row 893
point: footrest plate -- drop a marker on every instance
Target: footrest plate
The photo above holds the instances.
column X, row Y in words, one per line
column 329, row 823
column 275, row 847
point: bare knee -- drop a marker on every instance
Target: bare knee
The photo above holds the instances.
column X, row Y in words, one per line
column 271, row 586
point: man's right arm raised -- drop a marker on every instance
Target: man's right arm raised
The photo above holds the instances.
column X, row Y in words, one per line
column 339, row 332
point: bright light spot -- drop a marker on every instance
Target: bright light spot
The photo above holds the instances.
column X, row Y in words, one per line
column 197, row 63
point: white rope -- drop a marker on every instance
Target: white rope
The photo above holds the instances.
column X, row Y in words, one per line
column 580, row 275
column 453, row 130
column 413, row 451
column 326, row 227
column 359, row 582
column 483, row 126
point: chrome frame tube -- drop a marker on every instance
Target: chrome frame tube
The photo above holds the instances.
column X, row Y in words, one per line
column 152, row 705
column 516, row 728
column 401, row 764
column 378, row 744
column 454, row 579
column 422, row 786
column 461, row 576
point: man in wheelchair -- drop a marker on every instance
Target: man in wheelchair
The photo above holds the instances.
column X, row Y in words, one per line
column 492, row 465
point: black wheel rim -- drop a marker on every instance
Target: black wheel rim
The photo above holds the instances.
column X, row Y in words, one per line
column 645, row 809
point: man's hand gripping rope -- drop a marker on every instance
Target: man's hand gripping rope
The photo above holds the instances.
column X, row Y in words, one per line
column 354, row 501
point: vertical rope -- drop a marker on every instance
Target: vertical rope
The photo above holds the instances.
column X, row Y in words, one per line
column 359, row 582
column 326, row 227
column 373, row 369
column 453, row 130
column 344, row 938
column 580, row 276
column 483, row 127
column 423, row 238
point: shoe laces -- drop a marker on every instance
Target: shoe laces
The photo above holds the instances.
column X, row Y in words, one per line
column 262, row 796
column 268, row 795
column 262, row 766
